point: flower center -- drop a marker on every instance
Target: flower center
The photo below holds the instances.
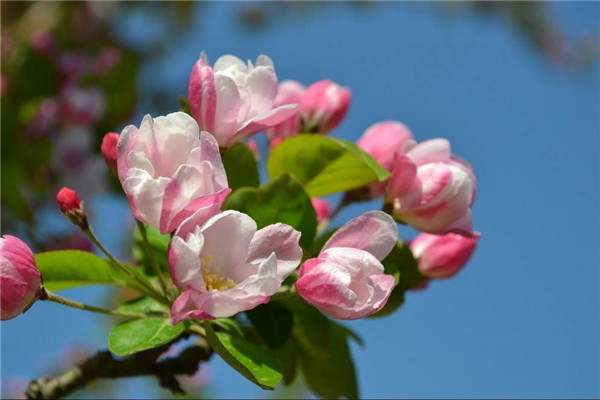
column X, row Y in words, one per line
column 212, row 281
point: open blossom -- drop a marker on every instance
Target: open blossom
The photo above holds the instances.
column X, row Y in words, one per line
column 169, row 170
column 346, row 280
column 431, row 189
column 20, row 280
column 234, row 100
column 224, row 265
column 442, row 256
column 381, row 141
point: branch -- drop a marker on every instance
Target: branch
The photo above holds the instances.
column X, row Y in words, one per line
column 104, row 366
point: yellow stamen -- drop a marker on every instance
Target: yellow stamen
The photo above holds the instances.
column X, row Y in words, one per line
column 212, row 281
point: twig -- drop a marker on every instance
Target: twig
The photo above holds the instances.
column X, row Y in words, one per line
column 104, row 366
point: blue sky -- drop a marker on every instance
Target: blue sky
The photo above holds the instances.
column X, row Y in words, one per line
column 522, row 320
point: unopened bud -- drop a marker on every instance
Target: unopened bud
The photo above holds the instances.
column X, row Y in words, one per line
column 72, row 207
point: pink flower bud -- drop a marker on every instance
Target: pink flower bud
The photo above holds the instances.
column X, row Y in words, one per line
column 442, row 256
column 346, row 280
column 322, row 208
column 234, row 100
column 431, row 189
column 109, row 150
column 20, row 280
column 72, row 207
column 323, row 107
column 288, row 92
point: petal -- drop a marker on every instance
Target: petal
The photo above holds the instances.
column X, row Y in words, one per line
column 228, row 62
column 374, row 232
column 145, row 195
column 265, row 120
column 262, row 88
column 404, row 172
column 227, row 303
column 265, row 281
column 202, row 94
column 381, row 141
column 198, row 218
column 355, row 261
column 184, row 260
column 430, row 151
column 228, row 108
column 184, row 307
column 281, row 240
column 206, row 206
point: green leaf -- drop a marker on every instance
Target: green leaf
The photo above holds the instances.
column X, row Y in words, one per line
column 273, row 321
column 280, row 200
column 324, row 353
column 143, row 305
column 184, row 105
column 142, row 334
column 70, row 268
column 288, row 359
column 158, row 245
column 255, row 363
column 241, row 167
column 324, row 165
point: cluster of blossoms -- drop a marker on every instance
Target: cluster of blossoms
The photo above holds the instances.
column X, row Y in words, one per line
column 171, row 171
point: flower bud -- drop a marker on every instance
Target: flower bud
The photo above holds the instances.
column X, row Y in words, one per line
column 442, row 256
column 109, row 150
column 72, row 207
column 322, row 208
column 20, row 280
column 324, row 105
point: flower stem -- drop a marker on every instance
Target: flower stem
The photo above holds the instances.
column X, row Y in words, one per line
column 149, row 290
column 75, row 304
column 152, row 258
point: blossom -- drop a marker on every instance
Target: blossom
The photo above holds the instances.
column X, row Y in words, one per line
column 234, row 100
column 169, row 170
column 20, row 280
column 347, row 279
column 381, row 141
column 72, row 207
column 109, row 150
column 442, row 256
column 288, row 92
column 224, row 265
column 431, row 189
column 324, row 105
column 322, row 208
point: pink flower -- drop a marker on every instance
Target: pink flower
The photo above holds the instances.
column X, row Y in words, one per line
column 225, row 266
column 288, row 92
column 324, row 105
column 72, row 207
column 20, row 280
column 169, row 170
column 381, row 141
column 346, row 280
column 322, row 208
column 431, row 189
column 442, row 256
column 234, row 100
column 109, row 150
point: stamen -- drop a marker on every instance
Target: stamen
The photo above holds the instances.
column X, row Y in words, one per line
column 212, row 281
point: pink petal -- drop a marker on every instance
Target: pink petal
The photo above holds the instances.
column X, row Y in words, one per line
column 265, row 120
column 404, row 172
column 228, row 109
column 430, row 151
column 382, row 140
column 280, row 239
column 374, row 232
column 202, row 94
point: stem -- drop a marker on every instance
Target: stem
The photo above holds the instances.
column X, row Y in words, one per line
column 149, row 289
column 75, row 304
column 197, row 329
column 152, row 258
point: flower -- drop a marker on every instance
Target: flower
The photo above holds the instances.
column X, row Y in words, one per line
column 346, row 280
column 72, row 207
column 322, row 208
column 431, row 189
column 234, row 100
column 109, row 150
column 381, row 141
column 225, row 266
column 288, row 92
column 20, row 280
column 324, row 105
column 442, row 256
column 169, row 170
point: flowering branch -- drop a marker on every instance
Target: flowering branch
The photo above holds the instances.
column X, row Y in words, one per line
column 103, row 365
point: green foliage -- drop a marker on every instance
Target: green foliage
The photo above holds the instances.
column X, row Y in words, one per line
column 324, row 165
column 273, row 321
column 255, row 363
column 158, row 245
column 69, row 268
column 280, row 200
column 142, row 334
column 142, row 305
column 241, row 167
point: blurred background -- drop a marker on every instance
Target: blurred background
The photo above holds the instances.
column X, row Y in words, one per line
column 514, row 86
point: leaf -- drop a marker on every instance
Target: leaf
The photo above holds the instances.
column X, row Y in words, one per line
column 273, row 321
column 324, row 165
column 288, row 359
column 142, row 334
column 70, row 268
column 184, row 105
column 280, row 200
column 324, row 353
column 158, row 245
column 142, row 304
column 255, row 363
column 240, row 166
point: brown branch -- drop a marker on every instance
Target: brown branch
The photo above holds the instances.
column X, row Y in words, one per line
column 104, row 366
